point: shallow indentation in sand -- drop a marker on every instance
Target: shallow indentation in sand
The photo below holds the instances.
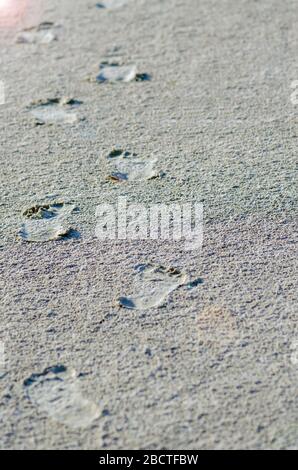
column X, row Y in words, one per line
column 116, row 73
column 152, row 286
column 48, row 211
column 46, row 222
column 43, row 231
column 124, row 166
column 56, row 392
column 55, row 111
column 216, row 325
column 44, row 33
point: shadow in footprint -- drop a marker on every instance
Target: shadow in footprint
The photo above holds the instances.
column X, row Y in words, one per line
column 111, row 4
column 74, row 234
column 195, row 283
column 143, row 77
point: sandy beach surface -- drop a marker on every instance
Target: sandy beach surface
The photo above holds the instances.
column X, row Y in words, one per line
column 160, row 102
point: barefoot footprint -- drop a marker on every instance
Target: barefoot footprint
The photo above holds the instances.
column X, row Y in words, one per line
column 126, row 166
column 116, row 73
column 56, row 392
column 55, row 111
column 44, row 33
column 46, row 222
column 153, row 284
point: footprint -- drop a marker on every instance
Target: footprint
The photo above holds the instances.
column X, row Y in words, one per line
column 46, row 222
column 56, row 392
column 125, row 166
column 48, row 211
column 116, row 73
column 113, row 72
column 42, row 231
column 153, row 284
column 111, row 4
column 55, row 111
column 44, row 33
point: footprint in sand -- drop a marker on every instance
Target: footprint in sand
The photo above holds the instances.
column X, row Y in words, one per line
column 216, row 326
column 126, row 166
column 44, row 33
column 46, row 222
column 56, row 392
column 55, row 111
column 113, row 73
column 111, row 4
column 152, row 285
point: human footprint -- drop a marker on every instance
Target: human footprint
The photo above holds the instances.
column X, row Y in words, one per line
column 44, row 33
column 55, row 111
column 46, row 222
column 152, row 286
column 126, row 166
column 56, row 392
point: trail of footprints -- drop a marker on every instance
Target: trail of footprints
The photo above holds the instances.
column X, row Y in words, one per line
column 56, row 391
column 48, row 222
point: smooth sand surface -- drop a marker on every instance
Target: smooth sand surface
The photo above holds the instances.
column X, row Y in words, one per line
column 215, row 365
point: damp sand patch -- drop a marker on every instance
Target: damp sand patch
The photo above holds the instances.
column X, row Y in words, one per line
column 44, row 33
column 125, row 166
column 152, row 285
column 46, row 222
column 56, row 392
column 55, row 111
